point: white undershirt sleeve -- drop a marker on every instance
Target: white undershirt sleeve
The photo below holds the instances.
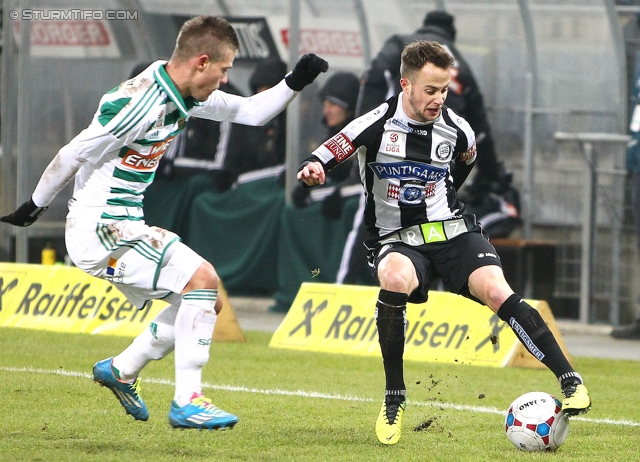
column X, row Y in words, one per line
column 253, row 110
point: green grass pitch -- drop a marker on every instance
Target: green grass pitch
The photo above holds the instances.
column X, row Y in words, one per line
column 293, row 406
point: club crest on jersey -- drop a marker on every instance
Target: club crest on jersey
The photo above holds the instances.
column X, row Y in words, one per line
column 160, row 120
column 444, row 151
column 408, row 170
column 340, row 146
column 411, row 193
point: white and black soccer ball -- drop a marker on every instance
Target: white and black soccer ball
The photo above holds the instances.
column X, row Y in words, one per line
column 535, row 422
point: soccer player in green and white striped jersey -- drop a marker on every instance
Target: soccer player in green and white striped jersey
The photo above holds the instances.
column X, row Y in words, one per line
column 112, row 162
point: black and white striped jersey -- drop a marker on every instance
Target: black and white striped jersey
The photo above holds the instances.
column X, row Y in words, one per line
column 410, row 171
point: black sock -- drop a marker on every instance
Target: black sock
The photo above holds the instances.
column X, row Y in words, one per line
column 534, row 334
column 390, row 310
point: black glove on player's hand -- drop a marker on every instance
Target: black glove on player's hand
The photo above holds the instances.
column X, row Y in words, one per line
column 24, row 215
column 305, row 71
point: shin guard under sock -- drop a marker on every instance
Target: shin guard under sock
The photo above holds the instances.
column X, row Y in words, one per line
column 534, row 334
column 390, row 320
column 153, row 343
column 194, row 327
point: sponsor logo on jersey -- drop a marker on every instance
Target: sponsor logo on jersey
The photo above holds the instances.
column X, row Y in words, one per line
column 393, row 192
column 469, row 155
column 430, row 190
column 444, row 150
column 111, row 266
column 408, row 170
column 115, row 272
column 340, row 146
column 144, row 162
column 408, row 129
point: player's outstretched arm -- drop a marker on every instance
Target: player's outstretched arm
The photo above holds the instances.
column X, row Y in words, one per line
column 260, row 108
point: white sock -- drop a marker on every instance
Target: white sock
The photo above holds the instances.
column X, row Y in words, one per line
column 153, row 343
column 193, row 331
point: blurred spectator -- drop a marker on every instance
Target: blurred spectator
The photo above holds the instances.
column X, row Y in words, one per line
column 201, row 146
column 254, row 148
column 490, row 193
column 339, row 95
column 339, row 98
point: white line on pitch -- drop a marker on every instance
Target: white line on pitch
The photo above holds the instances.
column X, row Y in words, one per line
column 313, row 394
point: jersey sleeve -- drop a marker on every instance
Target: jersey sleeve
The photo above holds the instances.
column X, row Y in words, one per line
column 120, row 119
column 89, row 144
column 253, row 110
column 335, row 150
column 348, row 141
column 466, row 151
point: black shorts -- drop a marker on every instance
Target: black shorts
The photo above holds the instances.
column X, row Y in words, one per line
column 453, row 261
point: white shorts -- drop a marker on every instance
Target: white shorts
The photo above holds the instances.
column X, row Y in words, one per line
column 143, row 262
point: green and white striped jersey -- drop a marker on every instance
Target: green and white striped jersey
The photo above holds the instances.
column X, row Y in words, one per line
column 115, row 159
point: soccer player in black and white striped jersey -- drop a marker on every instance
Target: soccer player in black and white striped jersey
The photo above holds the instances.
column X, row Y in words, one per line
column 414, row 154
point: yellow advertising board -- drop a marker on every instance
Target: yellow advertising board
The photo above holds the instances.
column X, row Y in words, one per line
column 448, row 328
column 65, row 299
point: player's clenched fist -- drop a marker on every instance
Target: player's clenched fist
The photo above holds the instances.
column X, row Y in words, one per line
column 311, row 173
column 305, row 71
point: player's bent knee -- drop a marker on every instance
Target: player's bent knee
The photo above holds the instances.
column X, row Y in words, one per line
column 205, row 277
column 489, row 285
column 218, row 306
column 393, row 283
column 397, row 274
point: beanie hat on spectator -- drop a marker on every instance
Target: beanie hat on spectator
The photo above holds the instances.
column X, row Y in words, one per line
column 441, row 19
column 342, row 89
column 268, row 73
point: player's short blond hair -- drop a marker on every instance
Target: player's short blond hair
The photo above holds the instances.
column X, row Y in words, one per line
column 418, row 54
column 205, row 35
